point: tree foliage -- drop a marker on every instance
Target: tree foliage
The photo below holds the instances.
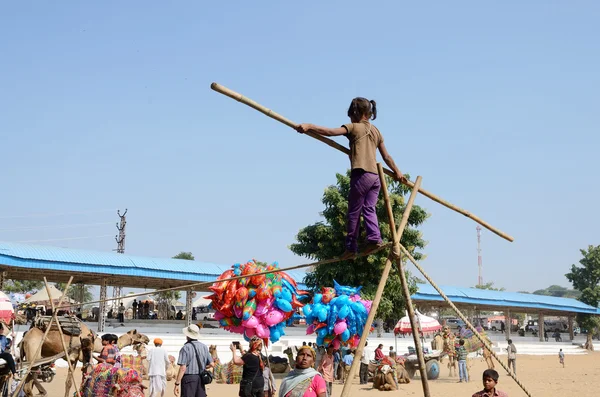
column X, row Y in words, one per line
column 75, row 291
column 586, row 279
column 164, row 299
column 184, row 255
column 490, row 286
column 325, row 240
column 558, row 291
column 23, row 286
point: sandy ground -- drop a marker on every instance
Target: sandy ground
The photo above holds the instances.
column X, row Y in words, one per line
column 542, row 375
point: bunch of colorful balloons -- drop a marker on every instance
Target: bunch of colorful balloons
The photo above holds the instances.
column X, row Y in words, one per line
column 256, row 304
column 337, row 315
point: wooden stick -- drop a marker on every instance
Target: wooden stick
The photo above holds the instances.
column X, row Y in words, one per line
column 62, row 339
column 39, row 348
column 405, row 289
column 379, row 292
column 249, row 102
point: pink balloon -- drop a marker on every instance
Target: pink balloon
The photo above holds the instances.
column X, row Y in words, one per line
column 336, row 343
column 219, row 316
column 310, row 329
column 251, row 323
column 340, row 327
column 263, row 331
column 261, row 309
column 273, row 317
column 250, row 332
column 237, row 329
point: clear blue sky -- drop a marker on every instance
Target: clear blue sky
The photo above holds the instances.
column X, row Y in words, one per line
column 107, row 105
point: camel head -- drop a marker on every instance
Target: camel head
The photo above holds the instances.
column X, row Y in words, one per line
column 212, row 349
column 132, row 337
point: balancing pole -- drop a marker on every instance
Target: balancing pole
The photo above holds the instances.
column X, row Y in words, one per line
column 249, row 102
column 39, row 348
column 62, row 340
column 405, row 290
column 380, row 288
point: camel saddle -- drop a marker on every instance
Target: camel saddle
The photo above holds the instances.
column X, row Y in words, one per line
column 70, row 325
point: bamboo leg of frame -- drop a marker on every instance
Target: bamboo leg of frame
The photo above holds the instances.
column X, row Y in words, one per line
column 463, row 318
column 249, row 102
column 31, row 360
column 62, row 340
column 379, row 293
column 405, row 290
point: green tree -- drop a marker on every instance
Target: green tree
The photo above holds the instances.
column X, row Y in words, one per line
column 164, row 299
column 75, row 291
column 184, row 255
column 489, row 286
column 22, row 286
column 325, row 240
column 586, row 279
column 558, row 291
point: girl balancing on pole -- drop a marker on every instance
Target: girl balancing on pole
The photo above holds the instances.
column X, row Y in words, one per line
column 364, row 139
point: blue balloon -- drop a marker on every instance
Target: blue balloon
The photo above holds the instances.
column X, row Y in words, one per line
column 320, row 341
column 360, row 309
column 317, row 298
column 343, row 312
column 283, row 305
column 342, row 300
column 275, row 334
column 345, row 335
column 286, row 294
column 322, row 314
column 307, row 310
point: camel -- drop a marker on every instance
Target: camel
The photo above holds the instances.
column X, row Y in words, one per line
column 384, row 379
column 450, row 351
column 290, row 354
column 106, row 380
column 225, row 373
column 141, row 364
column 80, row 347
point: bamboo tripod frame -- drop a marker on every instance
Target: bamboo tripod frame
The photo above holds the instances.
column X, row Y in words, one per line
column 36, row 356
column 397, row 246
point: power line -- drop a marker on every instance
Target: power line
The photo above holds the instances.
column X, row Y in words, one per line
column 63, row 239
column 54, row 214
column 74, row 225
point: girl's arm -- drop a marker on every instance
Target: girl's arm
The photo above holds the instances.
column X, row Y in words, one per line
column 390, row 161
column 304, row 128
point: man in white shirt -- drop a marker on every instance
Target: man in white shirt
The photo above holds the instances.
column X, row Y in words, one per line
column 367, row 357
column 159, row 362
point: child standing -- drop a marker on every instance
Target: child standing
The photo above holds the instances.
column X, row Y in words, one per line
column 561, row 357
column 490, row 380
column 364, row 139
column 461, row 355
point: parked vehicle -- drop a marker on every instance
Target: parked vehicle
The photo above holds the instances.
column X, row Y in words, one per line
column 455, row 323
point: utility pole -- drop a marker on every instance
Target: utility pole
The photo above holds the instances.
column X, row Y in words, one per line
column 479, row 261
column 120, row 239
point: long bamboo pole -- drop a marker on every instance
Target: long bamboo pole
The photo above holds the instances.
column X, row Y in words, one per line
column 62, row 340
column 276, row 116
column 405, row 289
column 39, row 348
column 379, row 292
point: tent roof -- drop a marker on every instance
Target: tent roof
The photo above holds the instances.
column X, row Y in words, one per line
column 501, row 300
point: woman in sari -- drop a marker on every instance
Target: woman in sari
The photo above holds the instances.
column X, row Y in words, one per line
column 304, row 380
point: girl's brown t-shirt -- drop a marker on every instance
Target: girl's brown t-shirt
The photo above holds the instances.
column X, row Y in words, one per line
column 364, row 139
